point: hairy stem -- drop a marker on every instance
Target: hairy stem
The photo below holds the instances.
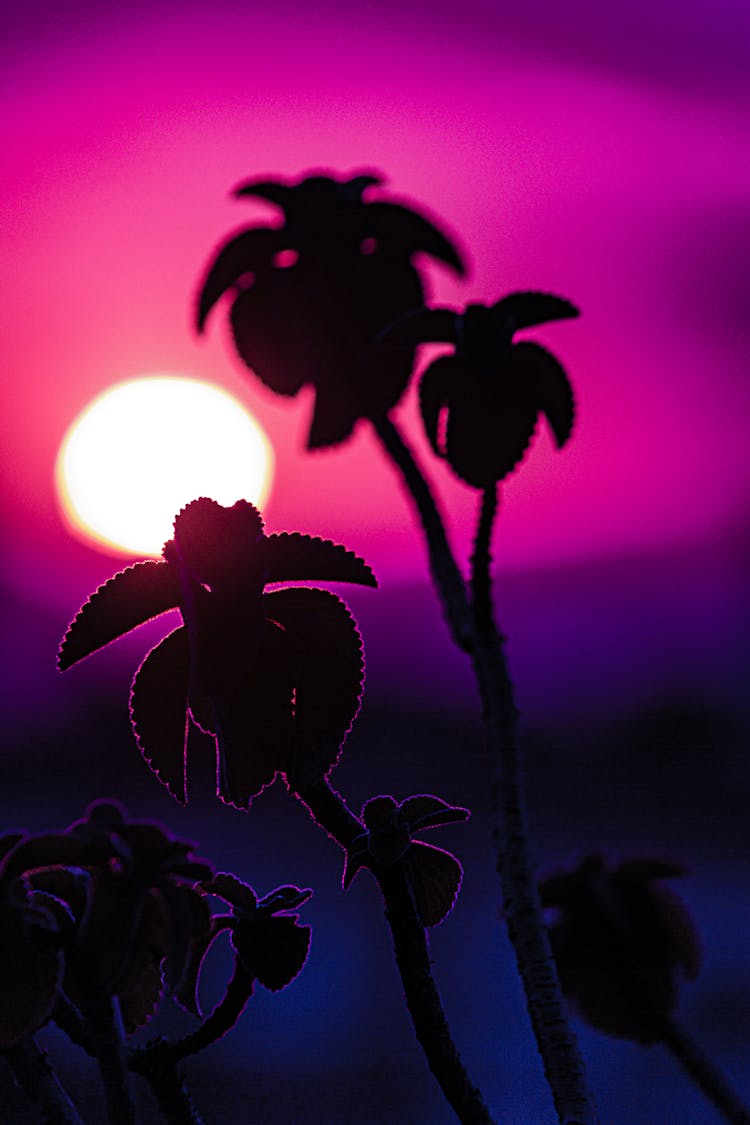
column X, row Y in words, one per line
column 561, row 1058
column 330, row 811
column 168, row 1087
column 446, row 576
column 221, row 1020
column 37, row 1079
column 705, row 1075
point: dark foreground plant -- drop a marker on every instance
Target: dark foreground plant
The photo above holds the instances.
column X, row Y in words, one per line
column 101, row 922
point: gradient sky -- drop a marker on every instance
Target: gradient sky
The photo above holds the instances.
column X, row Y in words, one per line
column 603, row 158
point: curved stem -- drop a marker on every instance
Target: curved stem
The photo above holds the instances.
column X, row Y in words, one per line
column 222, row 1019
column 331, row 812
column 172, row 1097
column 705, row 1074
column 446, row 576
column 39, row 1082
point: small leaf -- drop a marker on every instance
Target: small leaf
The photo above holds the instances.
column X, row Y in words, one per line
column 554, row 394
column 435, row 876
column 379, row 812
column 272, row 950
column 245, row 253
column 188, row 919
column 186, row 993
column 128, row 599
column 525, row 310
column 327, row 670
column 404, row 232
column 53, row 849
column 291, row 557
column 425, row 811
column 218, row 543
column 158, row 711
column 273, row 191
column 284, row 899
column 490, row 426
column 239, row 895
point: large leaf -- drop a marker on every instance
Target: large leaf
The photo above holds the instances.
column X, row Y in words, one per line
column 435, row 876
column 246, row 253
column 128, row 599
column 158, row 711
column 554, row 393
column 291, row 557
column 327, row 666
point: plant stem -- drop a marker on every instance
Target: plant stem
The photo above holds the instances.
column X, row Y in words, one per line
column 102, row 1014
column 481, row 587
column 168, row 1087
column 330, row 811
column 221, row 1020
column 705, row 1074
column 39, row 1082
column 561, row 1058
column 446, row 576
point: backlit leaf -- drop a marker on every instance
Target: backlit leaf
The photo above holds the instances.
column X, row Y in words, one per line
column 291, row 557
column 158, row 711
column 130, row 598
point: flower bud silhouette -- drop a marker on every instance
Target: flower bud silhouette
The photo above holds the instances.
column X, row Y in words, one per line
column 434, row 874
column 275, row 678
column 492, row 389
column 311, row 295
column 622, row 941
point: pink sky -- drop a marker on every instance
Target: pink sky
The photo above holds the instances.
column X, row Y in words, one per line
column 623, row 190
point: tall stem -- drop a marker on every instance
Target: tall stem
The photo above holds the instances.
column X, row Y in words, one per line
column 330, row 811
column 561, row 1058
column 102, row 1014
column 445, row 573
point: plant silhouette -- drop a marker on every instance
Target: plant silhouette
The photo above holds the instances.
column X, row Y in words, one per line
column 104, row 921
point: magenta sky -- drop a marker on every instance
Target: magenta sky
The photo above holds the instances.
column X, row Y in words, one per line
column 606, row 162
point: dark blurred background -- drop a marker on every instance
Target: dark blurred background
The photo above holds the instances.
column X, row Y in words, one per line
column 602, row 156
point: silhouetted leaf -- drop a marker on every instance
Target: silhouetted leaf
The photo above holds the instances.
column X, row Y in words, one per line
column 554, row 394
column 434, row 393
column 328, row 674
column 404, row 232
column 291, row 557
column 109, row 928
column 52, row 849
column 188, row 919
column 186, row 993
column 219, row 544
column 239, row 895
column 284, row 899
column 128, row 599
column 379, row 812
column 490, row 426
column 254, row 723
column 527, row 309
column 246, row 252
column 273, row 950
column 425, row 811
column 158, row 710
column 435, row 877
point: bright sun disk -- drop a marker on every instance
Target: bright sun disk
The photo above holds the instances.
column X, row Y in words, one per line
column 144, row 448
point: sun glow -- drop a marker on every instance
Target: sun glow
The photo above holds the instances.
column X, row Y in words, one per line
column 144, row 448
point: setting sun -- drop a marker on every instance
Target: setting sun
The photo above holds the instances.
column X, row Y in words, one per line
column 144, row 448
